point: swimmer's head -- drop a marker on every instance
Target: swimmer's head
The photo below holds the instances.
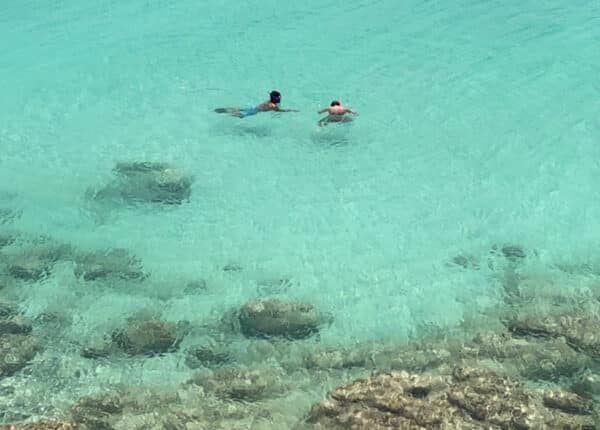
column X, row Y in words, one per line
column 335, row 103
column 275, row 97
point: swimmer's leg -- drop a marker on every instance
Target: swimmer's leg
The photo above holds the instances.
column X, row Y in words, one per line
column 231, row 111
column 323, row 122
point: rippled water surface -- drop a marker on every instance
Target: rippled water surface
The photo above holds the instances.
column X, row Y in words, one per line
column 478, row 129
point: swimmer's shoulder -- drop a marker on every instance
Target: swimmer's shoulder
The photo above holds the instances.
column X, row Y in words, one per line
column 264, row 106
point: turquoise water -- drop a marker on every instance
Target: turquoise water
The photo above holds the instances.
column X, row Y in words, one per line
column 478, row 126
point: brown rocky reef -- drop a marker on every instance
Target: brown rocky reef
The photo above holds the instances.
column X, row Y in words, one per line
column 17, row 345
column 43, row 425
column 274, row 317
column 147, row 337
column 143, row 333
column 242, row 384
column 465, row 398
column 581, row 332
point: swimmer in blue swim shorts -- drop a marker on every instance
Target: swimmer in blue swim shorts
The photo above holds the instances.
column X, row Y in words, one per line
column 271, row 105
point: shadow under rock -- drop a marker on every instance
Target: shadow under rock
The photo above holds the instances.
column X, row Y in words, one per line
column 8, row 215
column 116, row 263
column 252, row 130
column 32, row 259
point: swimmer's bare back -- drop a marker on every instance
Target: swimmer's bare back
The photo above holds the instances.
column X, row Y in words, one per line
column 270, row 106
column 336, row 113
column 262, row 107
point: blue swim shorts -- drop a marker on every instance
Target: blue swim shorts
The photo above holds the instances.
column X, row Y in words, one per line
column 250, row 110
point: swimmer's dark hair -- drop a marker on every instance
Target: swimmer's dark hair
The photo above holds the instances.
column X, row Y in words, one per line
column 275, row 96
column 335, row 103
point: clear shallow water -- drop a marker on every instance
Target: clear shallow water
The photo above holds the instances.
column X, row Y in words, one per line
column 478, row 126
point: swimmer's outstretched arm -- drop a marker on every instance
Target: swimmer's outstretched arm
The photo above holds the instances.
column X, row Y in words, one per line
column 286, row 110
column 323, row 110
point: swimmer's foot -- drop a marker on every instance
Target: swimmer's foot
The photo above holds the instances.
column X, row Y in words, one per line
column 232, row 111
